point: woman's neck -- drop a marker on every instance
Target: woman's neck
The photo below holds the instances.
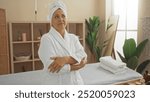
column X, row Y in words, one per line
column 62, row 32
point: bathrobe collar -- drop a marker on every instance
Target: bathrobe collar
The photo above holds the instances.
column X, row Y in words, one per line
column 62, row 41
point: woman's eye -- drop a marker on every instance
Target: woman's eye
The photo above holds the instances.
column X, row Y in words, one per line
column 60, row 16
column 63, row 16
column 56, row 17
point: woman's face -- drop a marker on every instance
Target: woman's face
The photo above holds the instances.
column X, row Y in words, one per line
column 59, row 20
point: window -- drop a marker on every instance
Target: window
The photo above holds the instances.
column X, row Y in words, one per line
column 128, row 18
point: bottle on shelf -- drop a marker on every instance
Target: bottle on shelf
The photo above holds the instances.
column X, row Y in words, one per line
column 24, row 37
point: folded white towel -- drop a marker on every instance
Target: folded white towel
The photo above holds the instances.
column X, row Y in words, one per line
column 112, row 69
column 110, row 62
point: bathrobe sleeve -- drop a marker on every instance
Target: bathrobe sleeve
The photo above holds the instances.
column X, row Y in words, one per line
column 47, row 50
column 79, row 52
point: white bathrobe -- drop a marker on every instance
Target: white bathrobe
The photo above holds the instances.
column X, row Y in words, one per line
column 53, row 44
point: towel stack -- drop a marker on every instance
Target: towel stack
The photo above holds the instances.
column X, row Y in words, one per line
column 110, row 64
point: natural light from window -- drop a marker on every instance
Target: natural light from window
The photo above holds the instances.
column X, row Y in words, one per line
column 128, row 18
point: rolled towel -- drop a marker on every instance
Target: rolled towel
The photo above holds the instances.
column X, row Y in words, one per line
column 110, row 62
column 111, row 69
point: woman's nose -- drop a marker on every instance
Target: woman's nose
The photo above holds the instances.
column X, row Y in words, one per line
column 61, row 18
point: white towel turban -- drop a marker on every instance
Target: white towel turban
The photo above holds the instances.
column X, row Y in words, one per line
column 56, row 5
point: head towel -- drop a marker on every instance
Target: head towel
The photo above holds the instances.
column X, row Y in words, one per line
column 56, row 5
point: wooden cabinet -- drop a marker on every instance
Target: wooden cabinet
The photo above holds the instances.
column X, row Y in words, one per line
column 25, row 40
column 4, row 49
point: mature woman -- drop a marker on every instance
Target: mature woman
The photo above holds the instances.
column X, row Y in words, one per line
column 61, row 52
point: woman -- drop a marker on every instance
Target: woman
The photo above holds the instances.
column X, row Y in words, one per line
column 60, row 52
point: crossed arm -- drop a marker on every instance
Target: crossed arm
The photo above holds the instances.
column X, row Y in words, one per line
column 56, row 63
column 59, row 62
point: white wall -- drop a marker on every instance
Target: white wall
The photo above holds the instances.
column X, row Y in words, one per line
column 17, row 10
column 108, row 10
column 23, row 10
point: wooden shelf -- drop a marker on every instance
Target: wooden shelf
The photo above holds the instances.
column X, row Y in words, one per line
column 36, row 59
column 38, row 41
column 21, row 42
column 30, row 46
column 22, row 61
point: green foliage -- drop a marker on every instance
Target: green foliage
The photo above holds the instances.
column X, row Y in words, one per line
column 132, row 62
column 140, row 48
column 129, row 48
column 93, row 25
column 143, row 65
column 132, row 53
column 91, row 38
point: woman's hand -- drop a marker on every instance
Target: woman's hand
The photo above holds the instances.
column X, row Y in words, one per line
column 78, row 66
column 57, row 64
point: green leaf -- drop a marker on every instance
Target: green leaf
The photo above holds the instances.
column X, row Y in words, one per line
column 122, row 58
column 93, row 35
column 129, row 48
column 142, row 66
column 132, row 62
column 89, row 40
column 141, row 47
column 88, row 25
column 97, row 52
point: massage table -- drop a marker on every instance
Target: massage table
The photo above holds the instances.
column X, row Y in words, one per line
column 92, row 74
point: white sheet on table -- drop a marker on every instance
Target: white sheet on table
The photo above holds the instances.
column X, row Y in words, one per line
column 92, row 74
column 39, row 77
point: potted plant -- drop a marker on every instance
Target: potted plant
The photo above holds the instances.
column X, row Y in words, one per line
column 93, row 25
column 132, row 53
